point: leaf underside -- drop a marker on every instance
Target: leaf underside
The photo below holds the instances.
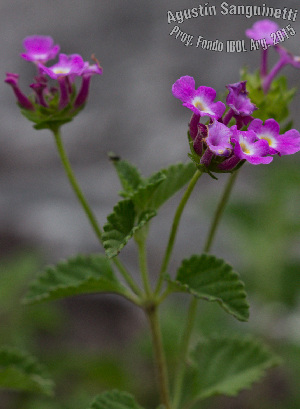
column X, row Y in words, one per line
column 226, row 365
column 115, row 400
column 121, row 226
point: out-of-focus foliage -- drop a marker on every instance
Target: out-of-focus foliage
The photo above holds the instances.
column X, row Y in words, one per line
column 265, row 224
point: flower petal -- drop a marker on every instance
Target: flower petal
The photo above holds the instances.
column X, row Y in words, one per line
column 184, row 88
column 39, row 49
column 262, row 29
column 289, row 142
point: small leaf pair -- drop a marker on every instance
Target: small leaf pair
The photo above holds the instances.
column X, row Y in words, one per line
column 143, row 198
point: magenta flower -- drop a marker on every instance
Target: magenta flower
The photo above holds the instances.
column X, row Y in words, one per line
column 12, row 79
column 193, row 126
column 238, row 99
column 202, row 133
column 39, row 49
column 200, row 100
column 67, row 68
column 248, row 147
column 262, row 29
column 217, row 142
column 218, row 139
column 286, row 144
column 40, row 88
column 88, row 71
column 287, row 57
column 68, row 65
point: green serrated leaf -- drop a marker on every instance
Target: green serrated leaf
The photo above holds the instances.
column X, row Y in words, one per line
column 225, row 366
column 143, row 196
column 121, row 226
column 20, row 371
column 130, row 177
column 176, row 176
column 80, row 275
column 115, row 400
column 212, row 279
column 151, row 193
column 162, row 185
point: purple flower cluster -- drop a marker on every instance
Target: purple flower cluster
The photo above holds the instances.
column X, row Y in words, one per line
column 262, row 30
column 39, row 50
column 220, row 148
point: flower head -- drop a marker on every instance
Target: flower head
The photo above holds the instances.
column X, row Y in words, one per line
column 262, row 29
column 200, row 100
column 39, row 49
column 248, row 147
column 286, row 144
column 52, row 106
column 238, row 99
column 67, row 68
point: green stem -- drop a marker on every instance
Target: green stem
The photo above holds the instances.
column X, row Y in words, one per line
column 185, row 340
column 174, row 228
column 143, row 266
column 75, row 186
column 184, row 345
column 92, row 219
column 161, row 366
column 127, row 276
column 219, row 211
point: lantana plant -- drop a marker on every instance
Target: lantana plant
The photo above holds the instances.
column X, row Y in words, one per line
column 247, row 128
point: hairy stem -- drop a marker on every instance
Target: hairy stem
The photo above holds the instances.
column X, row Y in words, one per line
column 161, row 366
column 219, row 212
column 174, row 228
column 184, row 345
column 78, row 192
column 185, row 340
column 90, row 215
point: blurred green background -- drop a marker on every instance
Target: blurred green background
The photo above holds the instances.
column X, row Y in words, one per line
column 92, row 343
